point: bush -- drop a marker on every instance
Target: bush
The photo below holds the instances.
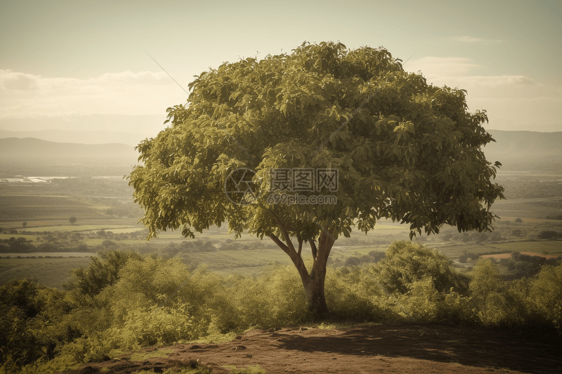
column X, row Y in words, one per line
column 406, row 263
column 31, row 322
column 548, row 235
column 546, row 291
column 126, row 301
column 352, row 261
column 102, row 272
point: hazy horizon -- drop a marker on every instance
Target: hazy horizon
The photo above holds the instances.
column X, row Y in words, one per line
column 85, row 66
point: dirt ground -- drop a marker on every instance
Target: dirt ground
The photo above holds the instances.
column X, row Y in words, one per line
column 385, row 348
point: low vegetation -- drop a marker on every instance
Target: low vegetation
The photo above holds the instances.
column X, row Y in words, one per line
column 124, row 301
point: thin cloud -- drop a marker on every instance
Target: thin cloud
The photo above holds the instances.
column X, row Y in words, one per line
column 124, row 92
column 455, row 71
column 470, row 39
column 12, row 80
column 442, row 66
column 509, row 99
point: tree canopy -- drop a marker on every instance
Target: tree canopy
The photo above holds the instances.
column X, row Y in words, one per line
column 405, row 149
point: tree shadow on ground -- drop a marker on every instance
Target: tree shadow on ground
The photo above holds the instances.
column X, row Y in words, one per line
column 477, row 347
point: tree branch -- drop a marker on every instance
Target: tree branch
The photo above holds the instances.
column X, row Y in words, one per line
column 281, row 245
column 285, row 233
column 313, row 248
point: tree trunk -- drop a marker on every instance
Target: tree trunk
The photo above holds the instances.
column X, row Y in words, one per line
column 315, row 293
column 313, row 283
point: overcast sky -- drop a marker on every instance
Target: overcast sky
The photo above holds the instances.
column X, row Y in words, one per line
column 69, row 59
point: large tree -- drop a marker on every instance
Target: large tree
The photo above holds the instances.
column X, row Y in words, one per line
column 404, row 149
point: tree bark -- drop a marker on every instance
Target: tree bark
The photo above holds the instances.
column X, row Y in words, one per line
column 313, row 283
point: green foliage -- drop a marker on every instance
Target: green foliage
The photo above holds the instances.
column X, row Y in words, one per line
column 46, row 331
column 546, row 292
column 155, row 281
column 102, row 272
column 152, row 326
column 406, row 263
column 31, row 322
column 404, row 149
column 279, row 292
column 486, row 288
column 356, row 293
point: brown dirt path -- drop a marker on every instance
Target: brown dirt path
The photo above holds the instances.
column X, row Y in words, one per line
column 387, row 348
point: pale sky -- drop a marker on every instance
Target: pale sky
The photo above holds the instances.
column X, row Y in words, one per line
column 62, row 60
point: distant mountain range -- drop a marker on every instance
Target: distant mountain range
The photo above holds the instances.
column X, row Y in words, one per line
column 141, row 124
column 26, row 150
column 516, row 150
column 81, row 137
column 525, row 150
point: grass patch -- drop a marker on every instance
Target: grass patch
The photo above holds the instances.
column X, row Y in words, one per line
column 141, row 356
column 327, row 326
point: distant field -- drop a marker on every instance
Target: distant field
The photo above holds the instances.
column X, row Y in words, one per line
column 530, row 210
column 453, row 250
column 498, row 256
column 62, row 224
column 51, row 213
column 508, row 255
column 46, row 254
column 24, row 208
column 27, row 237
column 114, row 228
column 552, row 246
column 51, row 272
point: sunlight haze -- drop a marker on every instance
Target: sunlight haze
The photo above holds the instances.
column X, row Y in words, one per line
column 66, row 64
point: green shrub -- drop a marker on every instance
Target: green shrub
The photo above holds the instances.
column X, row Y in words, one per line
column 274, row 299
column 155, row 301
column 406, row 263
column 546, row 291
column 356, row 294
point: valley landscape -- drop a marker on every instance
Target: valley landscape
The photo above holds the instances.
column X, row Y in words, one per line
column 299, row 187
column 107, row 218
column 40, row 189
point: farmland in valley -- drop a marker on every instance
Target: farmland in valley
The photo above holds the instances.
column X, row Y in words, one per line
column 107, row 218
